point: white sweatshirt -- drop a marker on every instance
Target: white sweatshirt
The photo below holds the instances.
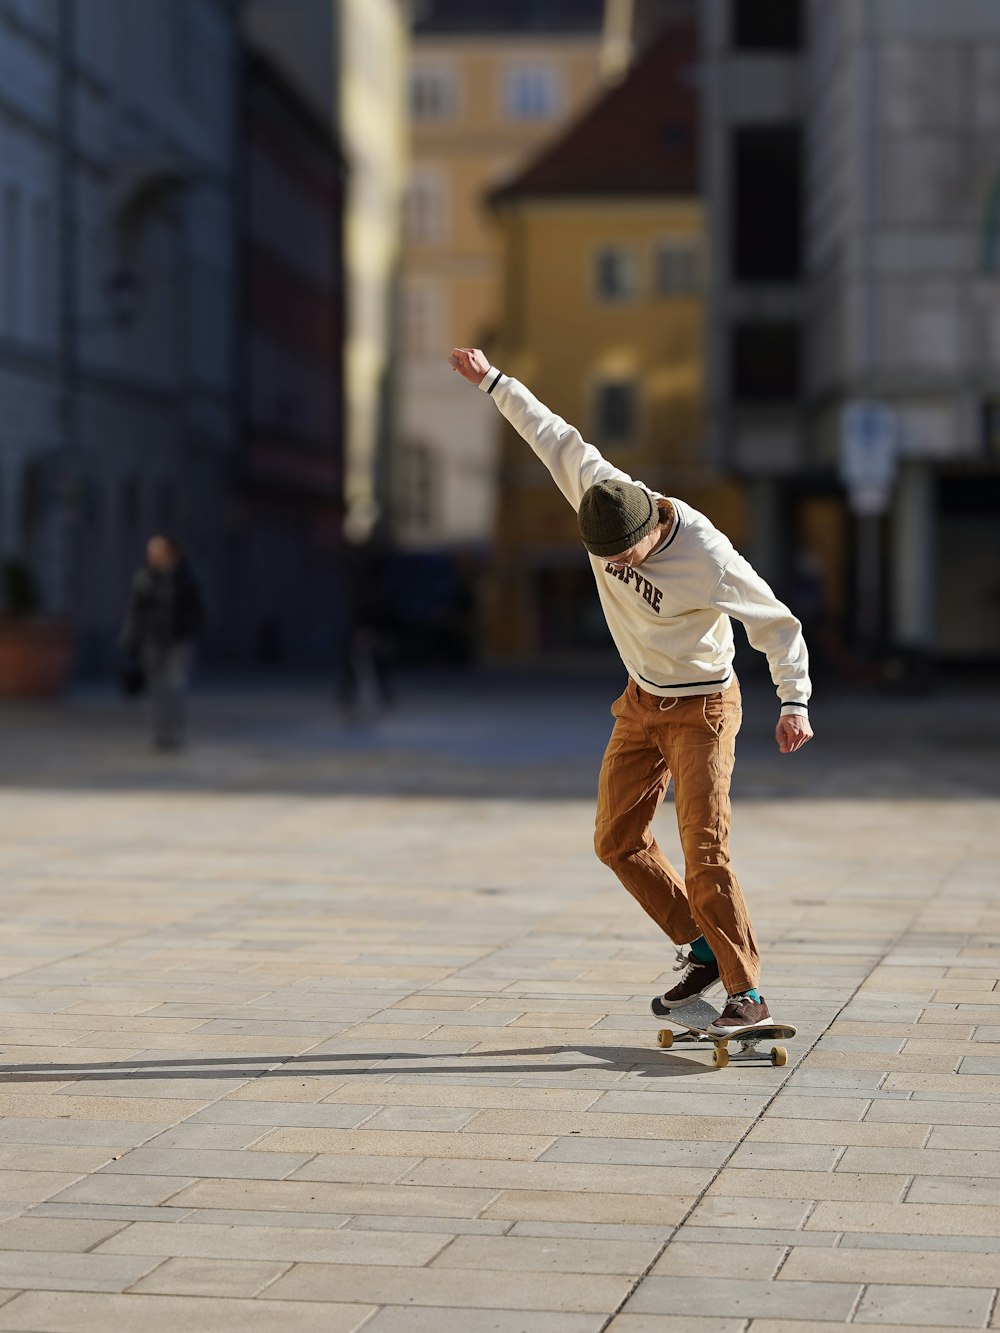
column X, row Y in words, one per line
column 670, row 619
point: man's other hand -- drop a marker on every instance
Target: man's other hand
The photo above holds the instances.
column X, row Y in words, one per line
column 470, row 363
column 792, row 732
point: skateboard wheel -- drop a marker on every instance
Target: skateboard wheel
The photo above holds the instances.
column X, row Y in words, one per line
column 720, row 1057
column 779, row 1056
column 665, row 1037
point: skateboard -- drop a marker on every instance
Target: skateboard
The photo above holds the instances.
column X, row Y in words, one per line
column 695, row 1018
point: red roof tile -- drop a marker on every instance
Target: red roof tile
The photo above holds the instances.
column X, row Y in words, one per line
column 639, row 138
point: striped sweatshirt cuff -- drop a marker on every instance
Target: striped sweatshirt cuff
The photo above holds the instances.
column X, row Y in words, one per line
column 491, row 379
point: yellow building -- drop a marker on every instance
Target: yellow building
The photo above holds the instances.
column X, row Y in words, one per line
column 487, row 89
column 603, row 318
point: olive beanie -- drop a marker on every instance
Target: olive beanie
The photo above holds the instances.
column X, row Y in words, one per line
column 615, row 515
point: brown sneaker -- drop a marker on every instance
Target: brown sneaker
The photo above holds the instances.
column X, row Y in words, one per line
column 742, row 1012
column 696, row 979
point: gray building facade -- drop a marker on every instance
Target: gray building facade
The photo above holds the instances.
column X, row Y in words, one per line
column 852, row 166
column 117, row 296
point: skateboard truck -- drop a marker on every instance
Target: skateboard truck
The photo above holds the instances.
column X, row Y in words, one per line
column 696, row 1020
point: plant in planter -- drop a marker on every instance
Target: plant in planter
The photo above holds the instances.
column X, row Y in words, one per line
column 36, row 651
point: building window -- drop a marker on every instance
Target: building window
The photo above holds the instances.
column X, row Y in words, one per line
column 617, row 412
column 766, row 362
column 422, row 323
column 766, row 217
column 10, row 314
column 615, row 273
column 181, row 48
column 679, row 268
column 426, row 219
column 775, row 25
column 531, row 92
column 42, row 265
column 432, row 93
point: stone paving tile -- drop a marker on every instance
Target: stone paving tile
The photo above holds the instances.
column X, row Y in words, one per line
column 469, row 1289
column 749, row 1215
column 774, row 1130
column 407, row 1118
column 961, row 1111
column 209, row 1277
column 954, row 1307
column 684, row 1258
column 801, row 1326
column 61, row 1234
column 78, row 1312
column 582, row 1177
column 769, row 1183
column 922, row 1161
column 323, row 1197
column 40, row 1270
column 192, row 1239
column 223, row 1163
column 114, row 1135
column 749, row 1298
column 347, row 1168
column 459, row 1226
column 441, row 1319
column 909, row 1267
column 123, row 1188
column 952, row 1189
column 548, row 1255
column 589, row 1231
column 811, row 1107
column 122, row 1212
column 885, row 1240
column 280, row 1087
column 159, row 1110
column 25, row 1187
column 593, row 1123
column 267, row 1114
column 487, row 1097
column 702, row 1233
column 801, row 1156
column 208, row 1137
column 713, row 1109
column 77, row 1159
column 572, row 1206
column 911, row 1219
column 667, row 1323
column 638, row 1152
column 280, row 1143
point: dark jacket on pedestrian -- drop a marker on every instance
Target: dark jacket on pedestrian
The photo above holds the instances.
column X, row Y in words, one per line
column 165, row 608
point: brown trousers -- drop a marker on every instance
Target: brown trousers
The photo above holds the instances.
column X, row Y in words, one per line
column 693, row 741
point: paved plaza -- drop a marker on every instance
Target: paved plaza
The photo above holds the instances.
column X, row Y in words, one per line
column 333, row 1024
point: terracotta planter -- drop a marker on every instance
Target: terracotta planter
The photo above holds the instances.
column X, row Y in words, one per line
column 36, row 656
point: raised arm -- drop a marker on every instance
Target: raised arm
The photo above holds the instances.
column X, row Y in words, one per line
column 574, row 464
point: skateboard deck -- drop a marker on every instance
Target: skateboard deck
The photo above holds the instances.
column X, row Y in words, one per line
column 696, row 1019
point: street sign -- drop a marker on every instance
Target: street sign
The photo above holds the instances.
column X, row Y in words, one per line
column 868, row 452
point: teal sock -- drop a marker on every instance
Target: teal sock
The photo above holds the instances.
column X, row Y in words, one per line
column 700, row 950
column 753, row 993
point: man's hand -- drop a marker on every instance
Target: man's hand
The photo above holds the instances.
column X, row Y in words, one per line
column 470, row 363
column 792, row 732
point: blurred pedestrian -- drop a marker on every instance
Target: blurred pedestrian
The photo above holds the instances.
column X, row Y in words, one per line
column 164, row 622
column 365, row 677
column 680, row 712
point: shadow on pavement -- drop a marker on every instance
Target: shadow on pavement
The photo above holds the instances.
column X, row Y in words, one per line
column 620, row 1058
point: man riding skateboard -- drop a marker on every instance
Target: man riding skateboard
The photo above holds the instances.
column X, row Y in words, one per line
column 669, row 581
